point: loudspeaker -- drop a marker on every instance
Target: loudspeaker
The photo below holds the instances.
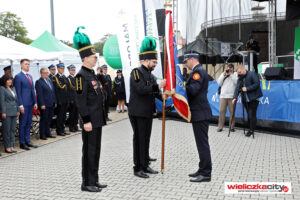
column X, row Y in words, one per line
column 160, row 19
column 275, row 73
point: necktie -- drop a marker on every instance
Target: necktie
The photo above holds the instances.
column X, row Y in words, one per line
column 29, row 79
column 48, row 83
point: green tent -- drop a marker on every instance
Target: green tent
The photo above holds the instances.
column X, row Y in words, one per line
column 47, row 42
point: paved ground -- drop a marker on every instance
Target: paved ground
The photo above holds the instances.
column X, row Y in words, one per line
column 53, row 171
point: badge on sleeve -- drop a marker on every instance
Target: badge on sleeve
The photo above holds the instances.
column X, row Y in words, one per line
column 196, row 76
column 78, row 84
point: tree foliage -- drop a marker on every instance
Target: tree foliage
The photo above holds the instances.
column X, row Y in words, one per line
column 11, row 26
column 99, row 45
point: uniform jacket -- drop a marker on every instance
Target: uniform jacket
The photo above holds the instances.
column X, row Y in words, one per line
column 8, row 102
column 71, row 89
column 196, row 88
column 25, row 91
column 90, row 98
column 45, row 95
column 60, row 83
column 143, row 90
column 119, row 85
column 108, row 85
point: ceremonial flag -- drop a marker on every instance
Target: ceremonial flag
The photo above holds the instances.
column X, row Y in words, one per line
column 174, row 81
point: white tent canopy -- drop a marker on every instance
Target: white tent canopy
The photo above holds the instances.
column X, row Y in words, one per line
column 11, row 50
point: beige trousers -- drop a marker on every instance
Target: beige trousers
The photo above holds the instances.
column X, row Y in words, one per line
column 223, row 108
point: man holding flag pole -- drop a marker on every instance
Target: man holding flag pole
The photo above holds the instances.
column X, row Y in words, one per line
column 143, row 90
column 194, row 96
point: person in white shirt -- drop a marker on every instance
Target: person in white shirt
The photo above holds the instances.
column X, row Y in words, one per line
column 227, row 81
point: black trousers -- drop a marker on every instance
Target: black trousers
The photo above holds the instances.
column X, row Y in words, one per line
column 201, row 136
column 61, row 118
column 107, row 106
column 73, row 117
column 90, row 156
column 251, row 108
column 45, row 121
column 141, row 141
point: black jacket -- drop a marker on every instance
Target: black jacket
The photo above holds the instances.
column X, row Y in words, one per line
column 143, row 90
column 108, row 84
column 61, row 88
column 71, row 89
column 90, row 98
column 119, row 85
column 196, row 88
column 251, row 82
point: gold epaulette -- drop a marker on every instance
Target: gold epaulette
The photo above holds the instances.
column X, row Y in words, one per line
column 136, row 75
column 78, row 84
column 58, row 83
column 71, row 85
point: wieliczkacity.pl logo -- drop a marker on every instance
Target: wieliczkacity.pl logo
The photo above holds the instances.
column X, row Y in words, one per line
column 255, row 187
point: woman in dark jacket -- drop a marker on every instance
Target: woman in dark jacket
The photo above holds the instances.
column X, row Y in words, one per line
column 10, row 113
column 119, row 90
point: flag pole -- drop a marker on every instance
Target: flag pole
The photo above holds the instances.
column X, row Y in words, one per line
column 164, row 116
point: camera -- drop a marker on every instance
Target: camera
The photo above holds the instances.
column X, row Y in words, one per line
column 227, row 71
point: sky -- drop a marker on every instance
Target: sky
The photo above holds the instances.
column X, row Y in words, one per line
column 98, row 16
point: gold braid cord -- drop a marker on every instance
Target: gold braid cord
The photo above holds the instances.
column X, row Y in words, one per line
column 72, row 86
column 59, row 85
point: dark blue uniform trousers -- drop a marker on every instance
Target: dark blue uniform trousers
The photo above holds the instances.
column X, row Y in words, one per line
column 25, row 124
column 45, row 121
column 90, row 156
column 201, row 136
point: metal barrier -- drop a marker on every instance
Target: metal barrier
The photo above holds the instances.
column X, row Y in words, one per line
column 244, row 18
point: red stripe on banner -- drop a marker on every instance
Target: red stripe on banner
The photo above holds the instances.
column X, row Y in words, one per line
column 170, row 82
column 182, row 107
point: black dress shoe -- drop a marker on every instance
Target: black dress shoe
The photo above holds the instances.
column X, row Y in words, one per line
column 194, row 174
column 61, row 134
column 201, row 178
column 8, row 151
column 219, row 130
column 66, row 133
column 24, row 146
column 0, row 154
column 149, row 170
column 51, row 136
column 31, row 145
column 90, row 188
column 152, row 159
column 249, row 133
column 232, row 130
column 43, row 138
column 141, row 174
column 100, row 185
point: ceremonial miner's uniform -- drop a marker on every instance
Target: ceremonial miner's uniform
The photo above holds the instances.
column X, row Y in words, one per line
column 143, row 90
column 90, row 104
column 61, row 90
column 196, row 88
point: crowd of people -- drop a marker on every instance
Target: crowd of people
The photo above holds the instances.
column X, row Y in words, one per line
column 86, row 94
column 53, row 94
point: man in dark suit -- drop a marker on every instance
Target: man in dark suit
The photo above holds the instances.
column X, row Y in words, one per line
column 24, row 85
column 107, row 88
column 73, row 112
column 196, row 88
column 46, row 102
column 61, row 91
